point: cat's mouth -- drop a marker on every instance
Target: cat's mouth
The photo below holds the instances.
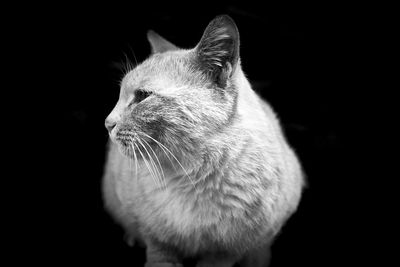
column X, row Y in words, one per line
column 132, row 146
column 142, row 146
column 126, row 145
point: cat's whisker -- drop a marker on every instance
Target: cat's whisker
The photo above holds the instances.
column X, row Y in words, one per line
column 146, row 163
column 163, row 149
column 165, row 152
column 130, row 162
column 130, row 159
column 127, row 65
column 136, row 166
column 186, row 173
column 134, row 154
column 159, row 164
column 133, row 54
column 151, row 163
column 155, row 169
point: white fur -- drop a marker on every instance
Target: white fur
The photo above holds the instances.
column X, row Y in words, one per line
column 247, row 180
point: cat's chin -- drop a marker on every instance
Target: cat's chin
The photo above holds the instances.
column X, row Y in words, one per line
column 125, row 150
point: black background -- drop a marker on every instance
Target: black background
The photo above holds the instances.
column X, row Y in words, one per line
column 295, row 55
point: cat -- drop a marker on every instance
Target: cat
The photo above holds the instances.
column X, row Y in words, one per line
column 198, row 165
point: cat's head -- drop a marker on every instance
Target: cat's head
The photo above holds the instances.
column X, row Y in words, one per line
column 178, row 97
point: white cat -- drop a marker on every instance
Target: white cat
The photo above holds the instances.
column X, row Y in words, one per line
column 198, row 165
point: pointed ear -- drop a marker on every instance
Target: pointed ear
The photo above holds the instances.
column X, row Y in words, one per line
column 218, row 49
column 158, row 43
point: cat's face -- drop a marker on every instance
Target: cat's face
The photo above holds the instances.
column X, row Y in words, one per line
column 177, row 99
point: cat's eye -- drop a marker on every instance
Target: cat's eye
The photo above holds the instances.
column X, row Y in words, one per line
column 141, row 95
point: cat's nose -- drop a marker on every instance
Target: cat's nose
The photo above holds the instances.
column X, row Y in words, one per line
column 110, row 124
column 113, row 118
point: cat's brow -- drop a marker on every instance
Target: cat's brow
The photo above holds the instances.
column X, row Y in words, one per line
column 131, row 89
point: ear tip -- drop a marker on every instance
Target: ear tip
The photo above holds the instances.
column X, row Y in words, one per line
column 227, row 22
column 225, row 19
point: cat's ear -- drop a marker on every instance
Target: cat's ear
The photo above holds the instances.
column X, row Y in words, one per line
column 158, row 43
column 218, row 50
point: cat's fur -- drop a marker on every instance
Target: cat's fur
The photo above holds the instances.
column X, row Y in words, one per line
column 237, row 180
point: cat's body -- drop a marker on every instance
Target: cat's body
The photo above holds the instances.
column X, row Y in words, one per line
column 229, row 179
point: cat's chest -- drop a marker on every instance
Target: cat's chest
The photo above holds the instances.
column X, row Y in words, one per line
column 190, row 219
column 171, row 207
column 184, row 211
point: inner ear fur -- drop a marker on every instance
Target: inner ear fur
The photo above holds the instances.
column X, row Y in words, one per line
column 218, row 50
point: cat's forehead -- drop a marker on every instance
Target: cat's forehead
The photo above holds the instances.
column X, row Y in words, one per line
column 160, row 71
